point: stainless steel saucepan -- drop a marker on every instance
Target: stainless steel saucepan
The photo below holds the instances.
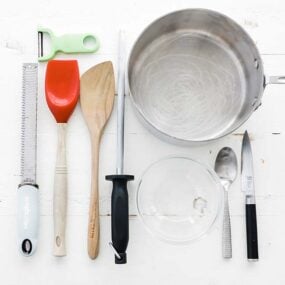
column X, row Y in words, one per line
column 195, row 75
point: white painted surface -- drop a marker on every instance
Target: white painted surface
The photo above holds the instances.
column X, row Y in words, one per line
column 150, row 261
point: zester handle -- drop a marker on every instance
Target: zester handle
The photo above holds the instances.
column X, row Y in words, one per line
column 60, row 194
column 227, row 235
column 27, row 218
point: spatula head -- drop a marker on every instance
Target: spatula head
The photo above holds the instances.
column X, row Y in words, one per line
column 97, row 92
column 62, row 88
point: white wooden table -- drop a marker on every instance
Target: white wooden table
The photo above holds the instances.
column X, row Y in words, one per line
column 149, row 260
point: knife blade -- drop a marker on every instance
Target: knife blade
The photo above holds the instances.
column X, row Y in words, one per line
column 247, row 180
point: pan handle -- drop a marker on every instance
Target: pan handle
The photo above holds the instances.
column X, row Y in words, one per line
column 275, row 79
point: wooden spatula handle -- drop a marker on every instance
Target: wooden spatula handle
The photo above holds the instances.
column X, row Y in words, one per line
column 60, row 193
column 94, row 226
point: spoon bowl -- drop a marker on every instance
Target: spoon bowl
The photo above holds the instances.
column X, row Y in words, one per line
column 226, row 165
column 62, row 88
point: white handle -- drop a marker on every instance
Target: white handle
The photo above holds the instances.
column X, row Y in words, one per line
column 28, row 218
column 227, row 235
column 60, row 194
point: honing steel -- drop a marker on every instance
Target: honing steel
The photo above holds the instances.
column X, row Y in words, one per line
column 97, row 92
column 62, row 92
column 226, row 168
column 69, row 43
column 119, row 202
column 28, row 201
column 247, row 181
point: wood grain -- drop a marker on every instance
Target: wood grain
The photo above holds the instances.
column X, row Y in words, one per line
column 60, row 193
column 97, row 93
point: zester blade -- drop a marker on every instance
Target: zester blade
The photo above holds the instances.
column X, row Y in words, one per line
column 29, row 123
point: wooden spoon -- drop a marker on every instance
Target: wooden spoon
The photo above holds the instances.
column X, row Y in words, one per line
column 97, row 91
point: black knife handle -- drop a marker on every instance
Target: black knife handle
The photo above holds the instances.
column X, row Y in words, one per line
column 251, row 232
column 120, row 215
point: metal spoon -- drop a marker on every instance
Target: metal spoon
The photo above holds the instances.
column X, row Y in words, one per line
column 226, row 168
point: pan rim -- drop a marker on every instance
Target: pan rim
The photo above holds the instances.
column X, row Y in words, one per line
column 172, row 137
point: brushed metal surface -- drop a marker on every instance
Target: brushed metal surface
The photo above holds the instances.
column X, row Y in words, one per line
column 195, row 75
column 29, row 123
column 247, row 177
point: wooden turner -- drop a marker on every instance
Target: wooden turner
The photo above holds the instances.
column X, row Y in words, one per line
column 97, row 91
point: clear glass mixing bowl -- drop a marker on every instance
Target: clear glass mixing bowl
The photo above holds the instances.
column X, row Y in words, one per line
column 179, row 199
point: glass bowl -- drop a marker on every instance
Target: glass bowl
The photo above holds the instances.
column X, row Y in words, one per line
column 179, row 199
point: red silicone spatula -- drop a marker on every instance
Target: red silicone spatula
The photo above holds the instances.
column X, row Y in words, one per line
column 62, row 93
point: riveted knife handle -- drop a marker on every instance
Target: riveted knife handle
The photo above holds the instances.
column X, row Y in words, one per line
column 251, row 232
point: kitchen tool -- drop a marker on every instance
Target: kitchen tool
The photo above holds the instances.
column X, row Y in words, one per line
column 120, row 199
column 97, row 93
column 62, row 93
column 226, row 168
column 179, row 199
column 69, row 43
column 195, row 75
column 28, row 200
column 247, row 181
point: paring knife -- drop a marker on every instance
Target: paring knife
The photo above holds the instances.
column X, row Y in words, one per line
column 250, row 207
column 28, row 204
